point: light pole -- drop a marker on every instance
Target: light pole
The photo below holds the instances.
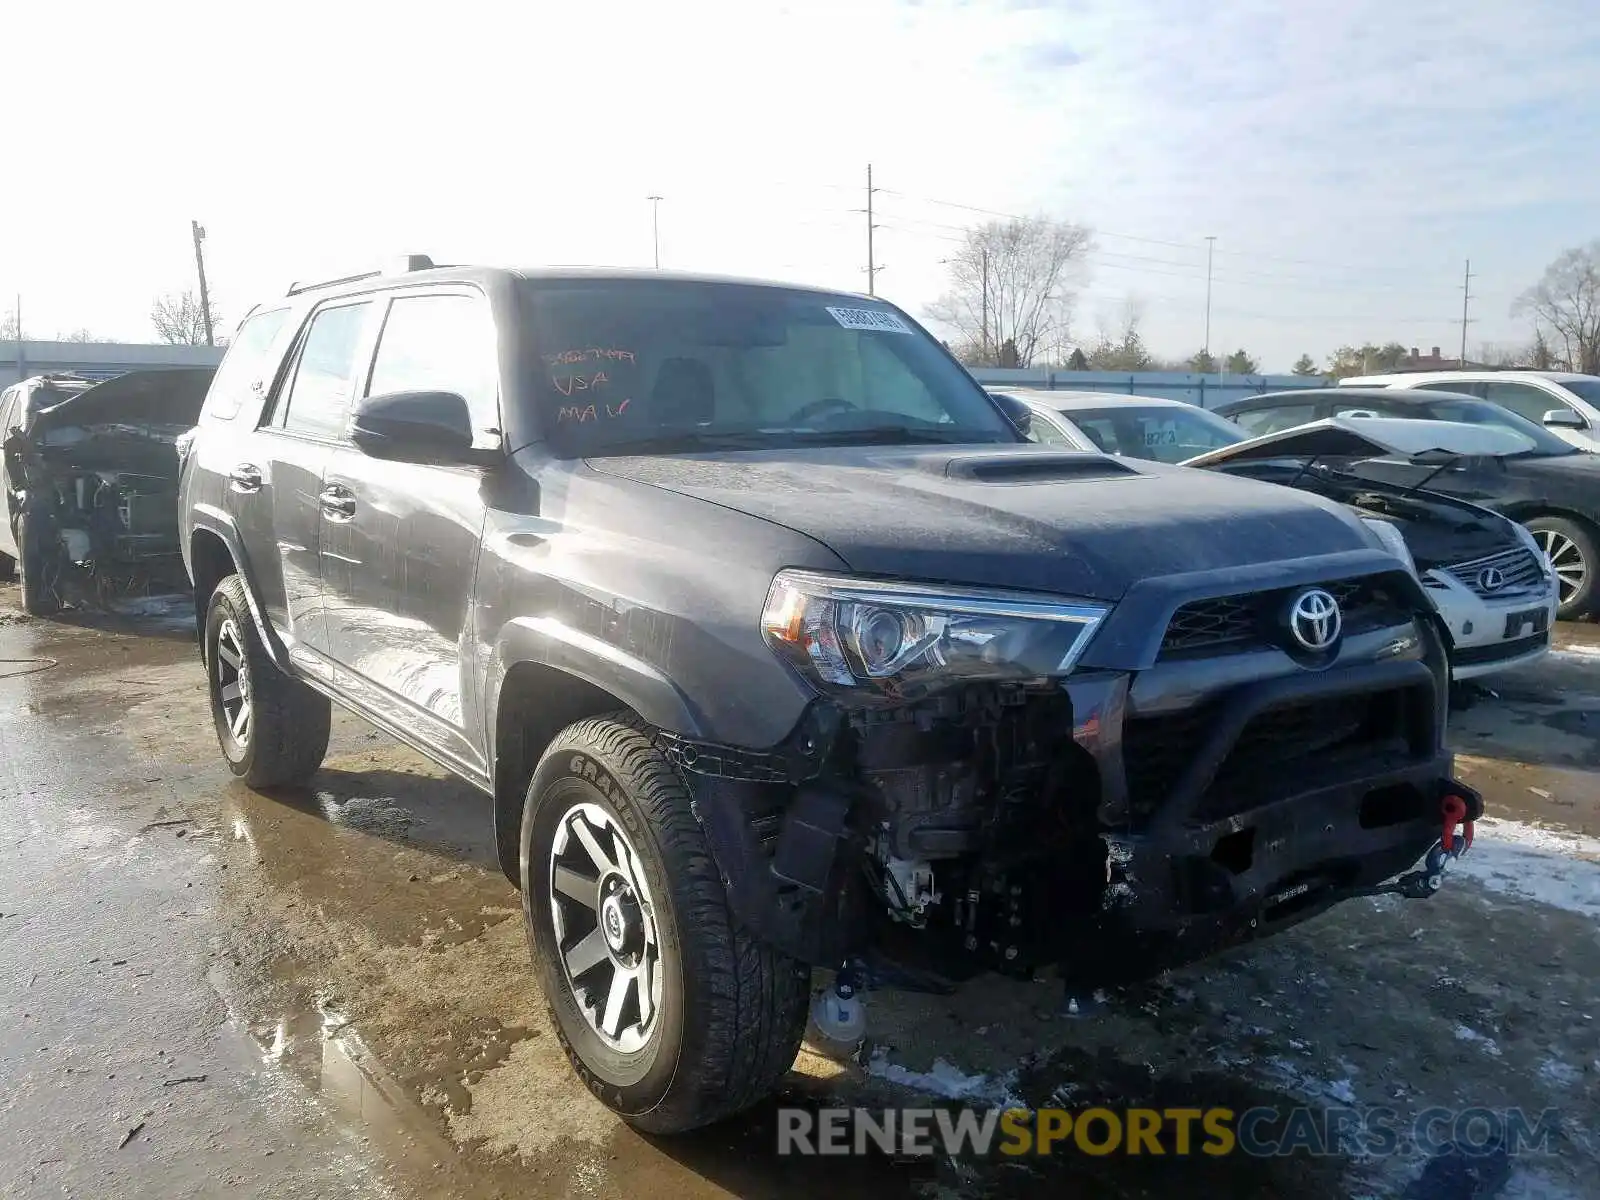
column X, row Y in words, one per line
column 655, row 226
column 1211, row 245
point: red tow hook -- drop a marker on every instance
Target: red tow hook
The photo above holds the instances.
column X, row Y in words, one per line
column 1454, row 811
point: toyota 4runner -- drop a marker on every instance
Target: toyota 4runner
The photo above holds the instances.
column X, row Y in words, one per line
column 778, row 646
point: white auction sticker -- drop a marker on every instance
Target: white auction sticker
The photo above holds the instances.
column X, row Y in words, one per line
column 869, row 318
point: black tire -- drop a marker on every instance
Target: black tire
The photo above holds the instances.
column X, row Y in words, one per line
column 285, row 734
column 731, row 1010
column 1573, row 544
column 35, row 579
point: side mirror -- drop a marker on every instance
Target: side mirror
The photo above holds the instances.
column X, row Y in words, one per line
column 431, row 428
column 1564, row 418
column 1018, row 413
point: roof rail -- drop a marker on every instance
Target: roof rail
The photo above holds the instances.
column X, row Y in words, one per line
column 296, row 288
column 400, row 266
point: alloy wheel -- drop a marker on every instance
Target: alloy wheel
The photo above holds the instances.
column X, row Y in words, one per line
column 1565, row 559
column 233, row 682
column 605, row 927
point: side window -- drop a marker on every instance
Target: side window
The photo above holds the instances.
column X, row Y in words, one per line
column 1044, row 431
column 440, row 343
column 247, row 368
column 318, row 398
column 1523, row 399
column 1461, row 387
column 1270, row 420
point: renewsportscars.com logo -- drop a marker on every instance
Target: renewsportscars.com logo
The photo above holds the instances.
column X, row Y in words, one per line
column 1215, row 1132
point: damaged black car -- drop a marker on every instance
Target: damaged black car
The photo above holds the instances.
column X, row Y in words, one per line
column 90, row 485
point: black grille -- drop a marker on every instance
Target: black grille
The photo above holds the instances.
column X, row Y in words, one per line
column 1228, row 624
column 1278, row 744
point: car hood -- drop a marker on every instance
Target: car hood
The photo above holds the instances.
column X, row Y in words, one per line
column 171, row 396
column 1580, row 470
column 1369, row 437
column 1015, row 516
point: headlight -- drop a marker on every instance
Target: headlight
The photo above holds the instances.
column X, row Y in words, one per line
column 891, row 643
column 1393, row 541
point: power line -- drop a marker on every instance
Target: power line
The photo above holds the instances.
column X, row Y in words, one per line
column 1325, row 264
column 1466, row 298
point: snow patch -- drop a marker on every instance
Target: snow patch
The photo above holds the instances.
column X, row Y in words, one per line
column 1576, row 652
column 1531, row 862
column 1289, row 1076
column 1562, row 1074
column 1466, row 1034
column 947, row 1080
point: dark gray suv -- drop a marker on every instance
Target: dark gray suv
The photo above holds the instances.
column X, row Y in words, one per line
column 778, row 646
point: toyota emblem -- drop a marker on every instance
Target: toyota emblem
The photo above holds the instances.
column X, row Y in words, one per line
column 1491, row 579
column 1314, row 619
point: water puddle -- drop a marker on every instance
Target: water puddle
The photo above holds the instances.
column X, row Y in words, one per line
column 319, row 1049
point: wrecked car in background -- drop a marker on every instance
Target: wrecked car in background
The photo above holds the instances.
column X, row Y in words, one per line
column 90, row 485
column 1488, row 579
column 1489, row 582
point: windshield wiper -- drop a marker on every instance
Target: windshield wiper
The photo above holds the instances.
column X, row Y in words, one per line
column 889, row 435
column 686, row 439
column 783, row 439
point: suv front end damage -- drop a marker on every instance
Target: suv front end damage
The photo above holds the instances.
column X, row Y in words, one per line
column 92, row 490
column 1193, row 766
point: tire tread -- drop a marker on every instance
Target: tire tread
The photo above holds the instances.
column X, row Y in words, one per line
column 753, row 997
column 292, row 722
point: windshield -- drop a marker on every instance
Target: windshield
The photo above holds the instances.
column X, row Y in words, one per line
column 640, row 365
column 1481, row 412
column 1163, row 434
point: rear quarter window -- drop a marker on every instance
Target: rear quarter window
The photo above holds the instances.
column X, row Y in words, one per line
column 248, row 366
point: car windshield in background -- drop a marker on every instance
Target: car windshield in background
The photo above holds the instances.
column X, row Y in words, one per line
column 1481, row 412
column 646, row 366
column 1163, row 434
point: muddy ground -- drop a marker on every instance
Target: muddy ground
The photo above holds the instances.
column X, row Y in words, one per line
column 204, row 989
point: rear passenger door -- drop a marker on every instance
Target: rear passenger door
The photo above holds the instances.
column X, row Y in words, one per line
column 400, row 555
column 278, row 486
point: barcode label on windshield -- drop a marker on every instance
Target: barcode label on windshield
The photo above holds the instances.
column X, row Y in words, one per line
column 869, row 318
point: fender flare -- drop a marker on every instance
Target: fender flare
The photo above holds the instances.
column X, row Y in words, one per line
column 214, row 521
column 546, row 642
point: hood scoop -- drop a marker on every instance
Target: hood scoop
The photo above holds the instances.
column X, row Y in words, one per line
column 1033, row 467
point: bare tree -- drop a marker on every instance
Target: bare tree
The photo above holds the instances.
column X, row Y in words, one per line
column 1565, row 308
column 1010, row 295
column 10, row 327
column 82, row 335
column 179, row 321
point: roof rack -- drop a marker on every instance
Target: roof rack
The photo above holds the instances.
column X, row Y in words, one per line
column 401, row 266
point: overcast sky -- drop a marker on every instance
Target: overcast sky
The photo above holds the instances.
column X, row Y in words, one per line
column 1347, row 156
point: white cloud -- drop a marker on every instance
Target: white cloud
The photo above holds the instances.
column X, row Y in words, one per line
column 1379, row 143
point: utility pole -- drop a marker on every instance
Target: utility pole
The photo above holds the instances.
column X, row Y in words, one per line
column 1211, row 245
column 872, row 265
column 200, row 266
column 655, row 226
column 1466, row 295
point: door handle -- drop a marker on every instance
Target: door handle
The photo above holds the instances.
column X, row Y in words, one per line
column 338, row 502
column 246, row 477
